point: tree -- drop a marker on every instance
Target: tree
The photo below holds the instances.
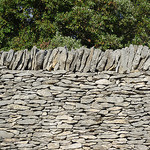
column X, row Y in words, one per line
column 100, row 23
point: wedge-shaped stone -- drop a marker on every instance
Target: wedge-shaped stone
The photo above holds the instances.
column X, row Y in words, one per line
column 132, row 51
column 84, row 59
column 88, row 61
column 79, row 58
column 124, row 60
column 144, row 56
column 9, row 57
column 110, row 60
column 3, row 58
column 39, row 59
column 18, row 60
column 103, row 61
column 46, row 59
column 62, row 58
column 73, row 64
column 69, row 60
column 117, row 55
column 34, row 51
column 146, row 65
column 95, row 59
column 26, row 58
column 137, row 58
column 52, row 60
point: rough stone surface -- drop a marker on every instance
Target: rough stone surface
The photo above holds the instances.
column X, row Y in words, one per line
column 126, row 60
column 76, row 110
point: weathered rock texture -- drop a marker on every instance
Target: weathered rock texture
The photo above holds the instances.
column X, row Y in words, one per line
column 61, row 110
column 124, row 60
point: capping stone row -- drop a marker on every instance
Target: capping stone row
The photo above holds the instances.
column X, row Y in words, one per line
column 124, row 60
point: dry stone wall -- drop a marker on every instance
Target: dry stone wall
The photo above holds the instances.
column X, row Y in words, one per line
column 61, row 110
column 124, row 60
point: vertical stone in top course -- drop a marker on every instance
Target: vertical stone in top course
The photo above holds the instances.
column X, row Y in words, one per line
column 137, row 57
column 103, row 61
column 69, row 60
column 84, row 59
column 50, row 64
column 95, row 59
column 3, row 58
column 73, row 64
column 132, row 51
column 39, row 59
column 110, row 60
column 116, row 55
column 79, row 58
column 18, row 60
column 124, row 60
column 26, row 58
column 9, row 57
column 46, row 59
column 34, row 51
column 62, row 58
column 89, row 60
column 144, row 56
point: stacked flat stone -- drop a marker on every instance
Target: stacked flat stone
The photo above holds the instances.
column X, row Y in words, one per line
column 124, row 60
column 61, row 110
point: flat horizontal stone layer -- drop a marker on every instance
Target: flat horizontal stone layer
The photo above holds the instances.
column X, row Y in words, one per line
column 61, row 110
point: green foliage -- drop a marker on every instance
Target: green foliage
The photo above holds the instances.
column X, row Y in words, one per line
column 58, row 41
column 100, row 23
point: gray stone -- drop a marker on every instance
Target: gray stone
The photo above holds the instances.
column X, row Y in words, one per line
column 103, row 61
column 34, row 51
column 117, row 54
column 142, row 147
column 146, row 65
column 3, row 58
column 114, row 100
column 38, row 60
column 26, row 58
column 17, row 107
column 95, row 59
column 88, row 61
column 18, row 60
column 53, row 60
column 144, row 56
column 62, row 58
column 5, row 134
column 27, row 122
column 56, row 88
column 69, row 60
column 5, row 102
column 44, row 92
column 46, row 59
column 132, row 51
column 64, row 126
column 110, row 60
column 79, row 58
column 103, row 82
column 24, row 74
column 124, row 60
column 74, row 146
column 9, row 57
column 53, row 146
column 84, row 59
column 7, row 76
column 137, row 58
